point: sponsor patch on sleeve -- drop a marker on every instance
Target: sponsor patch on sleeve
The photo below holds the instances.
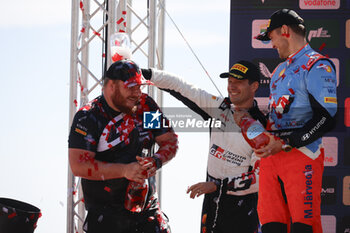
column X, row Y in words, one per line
column 331, row 100
column 325, row 67
column 80, row 131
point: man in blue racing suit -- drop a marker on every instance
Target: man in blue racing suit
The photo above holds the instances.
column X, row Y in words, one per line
column 302, row 108
column 233, row 169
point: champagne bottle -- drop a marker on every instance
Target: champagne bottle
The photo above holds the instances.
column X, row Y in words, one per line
column 253, row 132
column 136, row 193
column 136, row 196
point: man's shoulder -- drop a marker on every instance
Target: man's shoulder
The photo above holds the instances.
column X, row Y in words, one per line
column 225, row 103
column 94, row 107
column 147, row 103
column 312, row 58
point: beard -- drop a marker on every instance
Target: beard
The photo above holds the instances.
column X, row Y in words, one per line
column 120, row 101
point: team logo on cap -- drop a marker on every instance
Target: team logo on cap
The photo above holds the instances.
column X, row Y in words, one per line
column 240, row 68
column 236, row 75
column 268, row 23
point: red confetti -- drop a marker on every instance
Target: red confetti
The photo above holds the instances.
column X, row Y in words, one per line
column 81, row 5
column 110, row 146
column 97, row 34
column 82, row 30
column 117, row 57
column 124, row 24
column 81, row 85
column 76, row 103
column 120, row 20
column 96, row 166
column 107, row 189
column 103, row 55
column 124, row 12
column 322, row 46
column 12, row 215
column 120, row 30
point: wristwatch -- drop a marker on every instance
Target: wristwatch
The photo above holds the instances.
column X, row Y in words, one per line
column 285, row 145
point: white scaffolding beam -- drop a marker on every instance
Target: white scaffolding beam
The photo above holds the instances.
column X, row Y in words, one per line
column 93, row 22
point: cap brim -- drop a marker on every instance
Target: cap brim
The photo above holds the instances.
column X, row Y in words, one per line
column 137, row 80
column 262, row 36
column 224, row 75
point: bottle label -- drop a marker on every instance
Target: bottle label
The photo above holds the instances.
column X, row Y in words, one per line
column 254, row 130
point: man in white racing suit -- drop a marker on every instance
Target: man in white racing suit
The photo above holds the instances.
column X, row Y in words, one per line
column 232, row 175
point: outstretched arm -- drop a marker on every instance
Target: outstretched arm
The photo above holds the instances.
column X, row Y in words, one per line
column 198, row 100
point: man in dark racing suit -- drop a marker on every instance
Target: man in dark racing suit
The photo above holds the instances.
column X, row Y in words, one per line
column 233, row 170
column 106, row 141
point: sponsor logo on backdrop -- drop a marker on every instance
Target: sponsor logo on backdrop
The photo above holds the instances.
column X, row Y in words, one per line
column 329, row 223
column 330, row 150
column 266, row 73
column 259, row 26
column 347, row 112
column 263, row 103
column 323, row 33
column 347, row 33
column 266, row 67
column 328, row 193
column 346, row 190
column 318, row 33
column 319, row 4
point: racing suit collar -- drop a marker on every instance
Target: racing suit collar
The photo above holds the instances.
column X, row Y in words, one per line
column 291, row 58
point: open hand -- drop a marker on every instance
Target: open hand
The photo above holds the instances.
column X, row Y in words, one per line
column 200, row 188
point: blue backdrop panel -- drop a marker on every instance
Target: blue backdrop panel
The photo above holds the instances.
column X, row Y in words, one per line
column 328, row 32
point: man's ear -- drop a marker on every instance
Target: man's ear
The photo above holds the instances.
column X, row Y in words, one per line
column 255, row 86
column 285, row 31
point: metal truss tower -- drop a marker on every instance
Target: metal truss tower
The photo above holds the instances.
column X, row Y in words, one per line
column 93, row 23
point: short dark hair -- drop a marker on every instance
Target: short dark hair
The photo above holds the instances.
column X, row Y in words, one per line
column 299, row 29
column 105, row 81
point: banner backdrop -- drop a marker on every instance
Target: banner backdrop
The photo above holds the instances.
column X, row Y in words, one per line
column 328, row 32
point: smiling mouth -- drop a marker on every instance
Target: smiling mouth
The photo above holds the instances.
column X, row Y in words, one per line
column 134, row 99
